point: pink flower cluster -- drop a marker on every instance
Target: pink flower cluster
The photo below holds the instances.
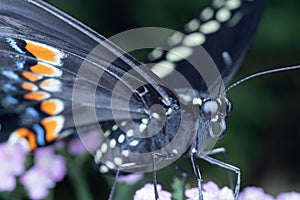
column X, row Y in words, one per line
column 211, row 191
column 147, row 193
column 12, row 159
column 48, row 169
column 257, row 193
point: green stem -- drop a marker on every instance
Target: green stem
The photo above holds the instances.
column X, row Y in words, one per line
column 78, row 179
column 50, row 195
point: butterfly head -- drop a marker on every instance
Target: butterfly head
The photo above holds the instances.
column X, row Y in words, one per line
column 216, row 111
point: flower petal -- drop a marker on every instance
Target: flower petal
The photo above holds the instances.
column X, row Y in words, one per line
column 147, row 193
column 254, row 193
column 130, row 179
column 288, row 196
column 7, row 183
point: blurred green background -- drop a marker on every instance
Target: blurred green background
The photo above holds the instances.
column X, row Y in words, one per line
column 263, row 136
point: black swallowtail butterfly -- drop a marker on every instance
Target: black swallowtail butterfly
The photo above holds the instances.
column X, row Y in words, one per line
column 58, row 77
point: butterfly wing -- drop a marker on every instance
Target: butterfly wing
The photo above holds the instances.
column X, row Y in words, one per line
column 83, row 64
column 51, row 68
column 225, row 30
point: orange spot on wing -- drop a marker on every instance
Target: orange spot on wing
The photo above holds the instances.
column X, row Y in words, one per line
column 29, row 135
column 29, row 86
column 44, row 69
column 37, row 96
column 49, row 107
column 42, row 52
column 50, row 125
column 31, row 76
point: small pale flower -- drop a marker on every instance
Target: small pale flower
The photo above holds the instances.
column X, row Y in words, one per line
column 254, row 193
column 53, row 164
column 48, row 169
column 76, row 147
column 130, row 179
column 211, row 191
column 147, row 193
column 12, row 157
column 7, row 183
column 192, row 194
column 88, row 142
column 210, row 186
column 37, row 182
column 288, row 196
column 224, row 194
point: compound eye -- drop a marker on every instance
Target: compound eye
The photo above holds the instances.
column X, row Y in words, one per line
column 210, row 108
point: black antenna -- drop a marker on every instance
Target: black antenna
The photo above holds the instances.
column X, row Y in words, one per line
column 262, row 73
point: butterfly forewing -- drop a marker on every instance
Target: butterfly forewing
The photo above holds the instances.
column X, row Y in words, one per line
column 53, row 67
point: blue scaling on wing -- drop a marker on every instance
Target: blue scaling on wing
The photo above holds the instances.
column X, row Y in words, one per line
column 224, row 29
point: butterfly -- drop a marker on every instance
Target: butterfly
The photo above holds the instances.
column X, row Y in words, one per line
column 58, row 77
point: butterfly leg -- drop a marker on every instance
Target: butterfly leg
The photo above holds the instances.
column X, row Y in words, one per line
column 154, row 157
column 194, row 158
column 228, row 167
column 113, row 188
column 223, row 151
column 154, row 176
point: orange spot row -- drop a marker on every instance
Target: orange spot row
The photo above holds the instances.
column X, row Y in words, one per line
column 28, row 135
column 52, row 106
column 36, row 96
column 45, row 69
column 44, row 52
column 52, row 126
column 29, row 86
column 31, row 76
